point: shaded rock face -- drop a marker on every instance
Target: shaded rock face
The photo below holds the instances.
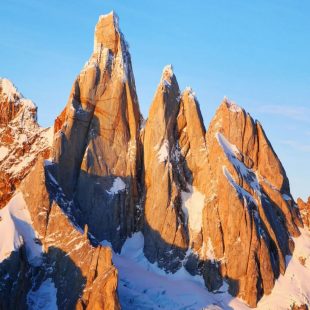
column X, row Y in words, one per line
column 22, row 140
column 97, row 148
column 304, row 208
column 14, row 282
column 82, row 274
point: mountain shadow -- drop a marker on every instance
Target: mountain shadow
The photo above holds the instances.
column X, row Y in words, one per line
column 19, row 281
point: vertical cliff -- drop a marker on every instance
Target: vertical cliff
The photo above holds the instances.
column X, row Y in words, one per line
column 97, row 148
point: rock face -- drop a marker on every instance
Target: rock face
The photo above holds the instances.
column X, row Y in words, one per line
column 165, row 236
column 224, row 196
column 173, row 141
column 97, row 148
column 249, row 213
column 22, row 140
column 304, row 208
column 83, row 276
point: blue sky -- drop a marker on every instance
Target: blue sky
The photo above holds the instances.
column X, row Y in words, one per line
column 254, row 52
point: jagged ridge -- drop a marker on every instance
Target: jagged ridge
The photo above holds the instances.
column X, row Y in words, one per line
column 217, row 202
column 22, row 139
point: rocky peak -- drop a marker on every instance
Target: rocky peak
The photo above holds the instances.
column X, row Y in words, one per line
column 219, row 198
column 168, row 76
column 22, row 140
column 14, row 107
column 231, row 105
column 190, row 122
column 97, row 146
column 251, row 199
column 110, row 49
column 174, row 160
column 165, row 236
column 165, row 103
column 8, row 90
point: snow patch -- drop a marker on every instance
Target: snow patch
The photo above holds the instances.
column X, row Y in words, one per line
column 241, row 191
column 48, row 134
column 106, row 243
column 11, row 93
column 4, row 151
column 192, row 206
column 121, row 67
column 45, row 297
column 232, row 106
column 190, row 92
column 118, row 186
column 162, row 151
column 167, row 75
column 132, row 150
column 210, row 251
column 231, row 151
column 286, row 197
column 228, row 148
column 22, row 164
column 9, row 90
column 16, row 226
column 27, row 103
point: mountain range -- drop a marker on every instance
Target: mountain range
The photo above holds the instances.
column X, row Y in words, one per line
column 107, row 210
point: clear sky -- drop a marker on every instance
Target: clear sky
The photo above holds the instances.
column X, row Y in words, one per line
column 255, row 52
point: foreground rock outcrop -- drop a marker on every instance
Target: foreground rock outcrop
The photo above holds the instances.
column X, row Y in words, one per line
column 22, row 140
column 97, row 148
column 54, row 252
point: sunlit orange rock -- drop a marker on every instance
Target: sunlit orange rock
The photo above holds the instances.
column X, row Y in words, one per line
column 250, row 213
column 22, row 140
column 304, row 208
column 97, row 148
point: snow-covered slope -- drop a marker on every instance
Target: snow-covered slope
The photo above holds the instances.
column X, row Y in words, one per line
column 143, row 285
column 43, row 298
column 16, row 226
column 294, row 285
